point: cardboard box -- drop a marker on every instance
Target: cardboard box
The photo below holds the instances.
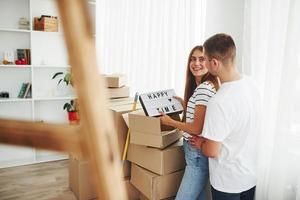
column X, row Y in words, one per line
column 80, row 180
column 159, row 141
column 82, row 185
column 115, row 80
column 46, row 23
column 154, row 186
column 121, row 101
column 118, row 92
column 119, row 123
column 148, row 131
column 121, row 130
column 166, row 161
column 132, row 192
column 143, row 197
column 139, row 122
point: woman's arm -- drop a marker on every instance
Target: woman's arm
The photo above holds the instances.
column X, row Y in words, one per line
column 193, row 128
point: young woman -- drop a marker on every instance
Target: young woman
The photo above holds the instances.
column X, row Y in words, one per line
column 199, row 88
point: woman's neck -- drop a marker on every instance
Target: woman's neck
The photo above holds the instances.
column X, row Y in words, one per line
column 198, row 80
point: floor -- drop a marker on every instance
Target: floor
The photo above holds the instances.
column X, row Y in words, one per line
column 45, row 181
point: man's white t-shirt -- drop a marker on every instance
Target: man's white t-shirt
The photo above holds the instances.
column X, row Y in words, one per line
column 233, row 119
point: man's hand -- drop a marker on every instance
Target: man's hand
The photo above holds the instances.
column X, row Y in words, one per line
column 196, row 141
column 165, row 119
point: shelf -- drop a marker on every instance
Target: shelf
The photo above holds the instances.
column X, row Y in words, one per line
column 54, row 98
column 15, row 30
column 48, row 33
column 49, row 55
column 15, row 100
column 51, row 66
column 15, row 66
column 29, row 31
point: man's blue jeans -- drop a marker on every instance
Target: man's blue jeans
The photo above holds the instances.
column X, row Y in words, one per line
column 195, row 176
column 246, row 195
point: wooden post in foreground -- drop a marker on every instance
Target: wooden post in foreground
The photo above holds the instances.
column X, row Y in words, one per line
column 98, row 138
column 95, row 138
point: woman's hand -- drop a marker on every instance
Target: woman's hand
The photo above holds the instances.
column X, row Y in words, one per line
column 196, row 141
column 165, row 119
column 180, row 100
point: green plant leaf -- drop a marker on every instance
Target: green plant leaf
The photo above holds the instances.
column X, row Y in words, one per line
column 69, row 108
column 66, row 106
column 59, row 81
column 67, row 78
column 56, row 74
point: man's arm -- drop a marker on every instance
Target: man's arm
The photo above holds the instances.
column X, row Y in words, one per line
column 209, row 147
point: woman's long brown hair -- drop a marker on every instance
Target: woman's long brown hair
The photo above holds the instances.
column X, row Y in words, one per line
column 190, row 82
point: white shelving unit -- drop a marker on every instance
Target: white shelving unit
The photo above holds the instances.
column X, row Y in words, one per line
column 48, row 56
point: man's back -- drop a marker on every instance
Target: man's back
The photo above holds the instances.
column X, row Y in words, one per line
column 233, row 119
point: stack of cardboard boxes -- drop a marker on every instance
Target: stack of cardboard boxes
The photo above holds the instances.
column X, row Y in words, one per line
column 80, row 180
column 155, row 164
column 157, row 157
column 116, row 86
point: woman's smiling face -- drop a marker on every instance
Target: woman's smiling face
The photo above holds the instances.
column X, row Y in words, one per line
column 197, row 64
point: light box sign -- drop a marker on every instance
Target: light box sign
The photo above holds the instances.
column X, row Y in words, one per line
column 161, row 101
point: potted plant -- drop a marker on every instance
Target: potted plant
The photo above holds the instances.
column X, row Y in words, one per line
column 71, row 108
column 64, row 76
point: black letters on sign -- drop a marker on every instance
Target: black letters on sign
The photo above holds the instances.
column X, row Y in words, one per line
column 161, row 101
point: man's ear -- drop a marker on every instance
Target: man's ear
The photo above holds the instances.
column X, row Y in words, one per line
column 215, row 64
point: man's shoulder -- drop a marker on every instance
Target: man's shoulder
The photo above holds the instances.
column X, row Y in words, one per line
column 253, row 86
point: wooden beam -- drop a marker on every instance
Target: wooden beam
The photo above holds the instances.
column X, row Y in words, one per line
column 41, row 135
column 99, row 137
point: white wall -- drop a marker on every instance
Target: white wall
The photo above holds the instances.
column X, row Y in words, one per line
column 226, row 17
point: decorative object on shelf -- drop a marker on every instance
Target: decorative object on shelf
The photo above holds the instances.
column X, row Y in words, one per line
column 22, row 61
column 4, row 94
column 25, row 91
column 46, row 23
column 64, row 76
column 24, row 57
column 24, row 23
column 72, row 109
column 8, row 58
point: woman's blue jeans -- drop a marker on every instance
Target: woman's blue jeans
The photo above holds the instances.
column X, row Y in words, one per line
column 195, row 177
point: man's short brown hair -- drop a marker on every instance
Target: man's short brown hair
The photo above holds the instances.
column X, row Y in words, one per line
column 220, row 46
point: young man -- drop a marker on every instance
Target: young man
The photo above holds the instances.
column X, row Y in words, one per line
column 231, row 126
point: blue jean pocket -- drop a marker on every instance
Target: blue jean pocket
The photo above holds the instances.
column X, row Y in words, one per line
column 194, row 156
